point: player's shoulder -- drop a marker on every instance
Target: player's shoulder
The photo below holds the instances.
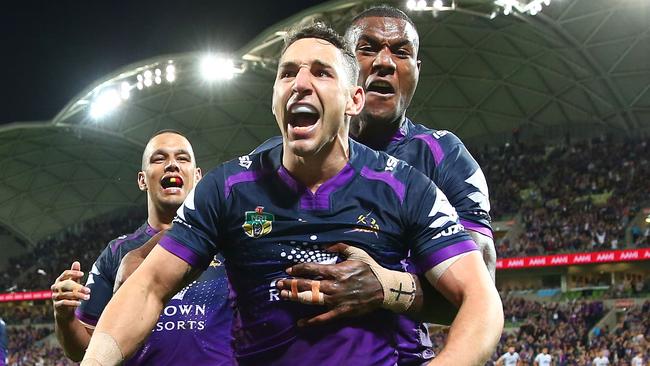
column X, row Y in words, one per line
column 268, row 144
column 125, row 243
column 245, row 168
column 443, row 138
column 379, row 161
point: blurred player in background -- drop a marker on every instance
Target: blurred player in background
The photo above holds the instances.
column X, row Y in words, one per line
column 601, row 360
column 303, row 196
column 543, row 358
column 510, row 358
column 194, row 327
column 4, row 343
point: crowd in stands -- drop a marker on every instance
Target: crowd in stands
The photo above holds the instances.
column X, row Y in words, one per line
column 37, row 269
column 564, row 328
column 575, row 198
column 25, row 313
column 26, row 348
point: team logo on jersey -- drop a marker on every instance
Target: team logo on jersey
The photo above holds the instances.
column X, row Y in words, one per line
column 215, row 262
column 258, row 222
column 366, row 224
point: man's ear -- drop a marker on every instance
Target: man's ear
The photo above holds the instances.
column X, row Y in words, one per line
column 142, row 184
column 356, row 101
column 198, row 174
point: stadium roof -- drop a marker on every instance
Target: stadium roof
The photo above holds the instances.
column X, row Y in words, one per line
column 580, row 67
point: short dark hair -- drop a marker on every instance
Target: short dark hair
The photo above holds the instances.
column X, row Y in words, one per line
column 322, row 31
column 166, row 130
column 380, row 11
column 383, row 11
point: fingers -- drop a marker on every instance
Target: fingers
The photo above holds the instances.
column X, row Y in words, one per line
column 311, row 270
column 337, row 248
column 69, row 289
column 304, row 291
column 75, row 275
column 67, row 303
column 76, row 266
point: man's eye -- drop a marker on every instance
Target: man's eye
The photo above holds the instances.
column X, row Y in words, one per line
column 287, row 74
column 323, row 73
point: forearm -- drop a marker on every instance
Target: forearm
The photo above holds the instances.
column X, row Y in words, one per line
column 488, row 251
column 479, row 322
column 133, row 311
column 130, row 328
column 474, row 328
column 73, row 337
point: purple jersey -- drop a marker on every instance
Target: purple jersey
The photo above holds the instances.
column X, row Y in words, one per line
column 442, row 157
column 194, row 327
column 263, row 220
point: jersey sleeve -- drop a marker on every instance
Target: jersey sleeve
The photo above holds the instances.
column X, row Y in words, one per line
column 194, row 235
column 100, row 281
column 460, row 177
column 435, row 232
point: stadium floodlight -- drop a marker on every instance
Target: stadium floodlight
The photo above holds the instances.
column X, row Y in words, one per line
column 411, row 4
column 437, row 4
column 125, row 90
column 422, row 4
column 106, row 101
column 217, row 68
column 170, row 73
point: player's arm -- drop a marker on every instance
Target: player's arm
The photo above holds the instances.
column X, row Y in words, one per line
column 479, row 322
column 67, row 294
column 133, row 311
column 488, row 251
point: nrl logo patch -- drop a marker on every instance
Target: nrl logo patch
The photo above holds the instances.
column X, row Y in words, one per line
column 258, row 222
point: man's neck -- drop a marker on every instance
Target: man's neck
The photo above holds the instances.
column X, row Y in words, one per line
column 312, row 171
column 373, row 133
column 159, row 219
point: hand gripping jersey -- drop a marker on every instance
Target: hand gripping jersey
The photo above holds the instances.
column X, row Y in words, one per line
column 263, row 220
column 194, row 327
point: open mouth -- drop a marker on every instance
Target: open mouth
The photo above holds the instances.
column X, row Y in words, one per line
column 380, row 87
column 171, row 183
column 302, row 118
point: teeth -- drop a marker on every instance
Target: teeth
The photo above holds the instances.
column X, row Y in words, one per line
column 381, row 84
column 303, row 108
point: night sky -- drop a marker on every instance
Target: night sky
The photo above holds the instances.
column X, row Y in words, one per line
column 53, row 49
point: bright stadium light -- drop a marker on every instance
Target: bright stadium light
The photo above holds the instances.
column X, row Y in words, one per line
column 422, row 4
column 125, row 90
column 105, row 103
column 217, row 68
column 411, row 4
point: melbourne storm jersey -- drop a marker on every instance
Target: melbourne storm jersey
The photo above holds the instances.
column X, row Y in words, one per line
column 442, row 157
column 263, row 221
column 194, row 327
